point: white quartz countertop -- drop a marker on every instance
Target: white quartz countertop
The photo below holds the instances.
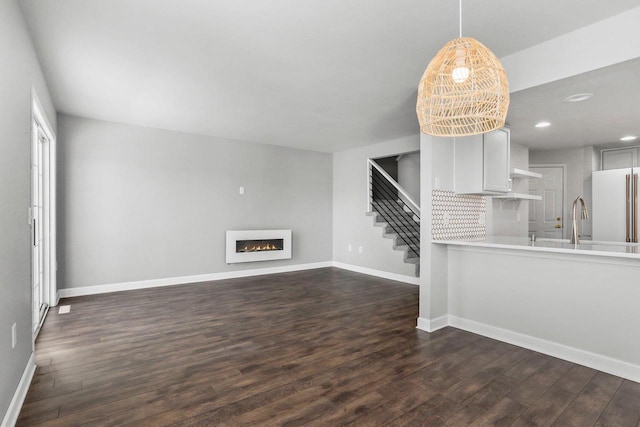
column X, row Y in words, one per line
column 585, row 247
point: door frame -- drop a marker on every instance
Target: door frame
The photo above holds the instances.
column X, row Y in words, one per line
column 49, row 224
column 565, row 221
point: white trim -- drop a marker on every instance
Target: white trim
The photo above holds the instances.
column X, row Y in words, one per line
column 53, row 257
column 11, row 416
column 572, row 354
column 39, row 117
column 170, row 281
column 378, row 273
column 38, row 113
column 432, row 325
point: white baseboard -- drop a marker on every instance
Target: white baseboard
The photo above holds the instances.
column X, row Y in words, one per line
column 170, row 281
column 561, row 351
column 432, row 325
column 13, row 411
column 378, row 273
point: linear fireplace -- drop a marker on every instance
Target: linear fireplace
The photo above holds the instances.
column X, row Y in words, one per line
column 258, row 245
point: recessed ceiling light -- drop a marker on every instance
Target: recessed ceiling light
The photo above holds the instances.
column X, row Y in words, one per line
column 578, row 97
column 542, row 124
column 628, row 138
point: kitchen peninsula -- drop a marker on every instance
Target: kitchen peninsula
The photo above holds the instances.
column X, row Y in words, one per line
column 577, row 303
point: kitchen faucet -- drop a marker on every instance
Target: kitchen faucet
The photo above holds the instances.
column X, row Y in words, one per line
column 574, row 224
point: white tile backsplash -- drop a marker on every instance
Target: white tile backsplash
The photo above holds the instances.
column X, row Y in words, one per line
column 458, row 216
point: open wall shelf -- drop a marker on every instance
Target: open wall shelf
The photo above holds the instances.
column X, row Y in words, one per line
column 517, row 196
column 524, row 174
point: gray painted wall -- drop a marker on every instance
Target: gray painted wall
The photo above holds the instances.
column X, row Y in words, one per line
column 409, row 175
column 508, row 218
column 350, row 224
column 140, row 203
column 389, row 165
column 437, row 166
column 20, row 71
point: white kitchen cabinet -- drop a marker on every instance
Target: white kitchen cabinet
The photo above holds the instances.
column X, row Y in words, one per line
column 481, row 163
column 619, row 158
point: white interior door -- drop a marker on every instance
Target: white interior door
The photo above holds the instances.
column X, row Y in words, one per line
column 39, row 181
column 546, row 216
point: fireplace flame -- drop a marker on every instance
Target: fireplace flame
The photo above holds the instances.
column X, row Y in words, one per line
column 257, row 248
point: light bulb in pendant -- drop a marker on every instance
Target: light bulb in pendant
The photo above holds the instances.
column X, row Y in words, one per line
column 460, row 74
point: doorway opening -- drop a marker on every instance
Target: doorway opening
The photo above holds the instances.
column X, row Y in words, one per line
column 547, row 217
column 42, row 216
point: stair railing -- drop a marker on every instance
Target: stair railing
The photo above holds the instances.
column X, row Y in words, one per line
column 402, row 214
column 371, row 165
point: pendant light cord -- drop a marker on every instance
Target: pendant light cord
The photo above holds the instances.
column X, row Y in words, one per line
column 460, row 9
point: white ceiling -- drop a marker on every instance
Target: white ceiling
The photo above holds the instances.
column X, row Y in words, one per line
column 321, row 75
column 613, row 112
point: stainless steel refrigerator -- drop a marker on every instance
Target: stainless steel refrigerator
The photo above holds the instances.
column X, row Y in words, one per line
column 615, row 205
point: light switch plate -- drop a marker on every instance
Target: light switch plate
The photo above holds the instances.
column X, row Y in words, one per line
column 241, row 191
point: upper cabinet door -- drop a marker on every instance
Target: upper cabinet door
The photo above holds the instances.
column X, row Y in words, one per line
column 482, row 163
column 468, row 165
column 496, row 161
column 619, row 158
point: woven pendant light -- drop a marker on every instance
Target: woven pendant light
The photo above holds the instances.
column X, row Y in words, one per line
column 464, row 90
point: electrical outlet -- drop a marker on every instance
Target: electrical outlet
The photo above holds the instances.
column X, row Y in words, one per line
column 446, row 218
column 360, row 249
column 14, row 336
column 241, row 190
column 349, row 248
column 518, row 217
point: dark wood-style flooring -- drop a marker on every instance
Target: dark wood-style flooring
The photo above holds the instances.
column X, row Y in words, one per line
column 320, row 347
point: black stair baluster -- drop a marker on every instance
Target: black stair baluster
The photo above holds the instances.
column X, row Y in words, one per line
column 398, row 215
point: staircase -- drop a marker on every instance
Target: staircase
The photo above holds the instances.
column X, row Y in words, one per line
column 395, row 211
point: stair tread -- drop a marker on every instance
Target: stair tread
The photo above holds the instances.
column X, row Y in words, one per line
column 407, row 223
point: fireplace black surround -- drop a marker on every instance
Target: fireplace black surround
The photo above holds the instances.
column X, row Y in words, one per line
column 259, row 245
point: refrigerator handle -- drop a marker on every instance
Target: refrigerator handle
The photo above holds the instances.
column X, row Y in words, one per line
column 628, row 210
column 635, row 208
